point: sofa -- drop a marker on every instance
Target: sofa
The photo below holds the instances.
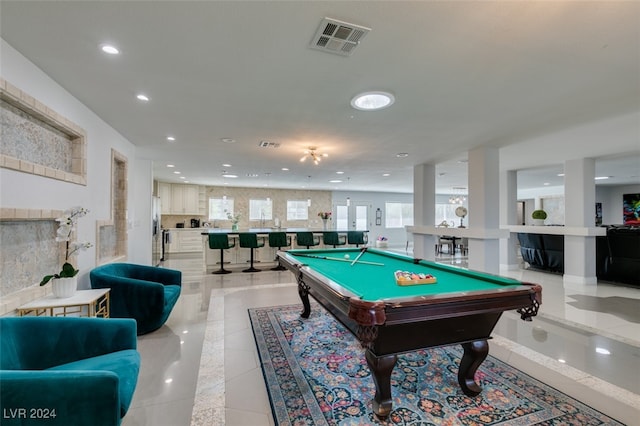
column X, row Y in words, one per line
column 621, row 257
column 543, row 251
column 144, row 293
column 67, row 371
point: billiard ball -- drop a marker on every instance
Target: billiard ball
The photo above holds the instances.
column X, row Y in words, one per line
column 346, row 256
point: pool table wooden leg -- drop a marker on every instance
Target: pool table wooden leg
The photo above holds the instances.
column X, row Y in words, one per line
column 474, row 354
column 381, row 368
column 303, row 292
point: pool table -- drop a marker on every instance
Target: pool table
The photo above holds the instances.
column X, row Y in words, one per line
column 462, row 307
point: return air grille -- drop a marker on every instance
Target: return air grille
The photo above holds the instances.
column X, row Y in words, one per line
column 338, row 37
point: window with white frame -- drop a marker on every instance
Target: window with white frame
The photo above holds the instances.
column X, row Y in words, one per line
column 260, row 209
column 297, row 210
column 398, row 215
column 219, row 207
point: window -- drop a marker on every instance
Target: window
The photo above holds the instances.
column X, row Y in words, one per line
column 446, row 212
column 219, row 207
column 297, row 210
column 398, row 215
column 260, row 209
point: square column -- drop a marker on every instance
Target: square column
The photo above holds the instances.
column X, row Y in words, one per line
column 580, row 201
column 424, row 209
column 484, row 198
column 508, row 216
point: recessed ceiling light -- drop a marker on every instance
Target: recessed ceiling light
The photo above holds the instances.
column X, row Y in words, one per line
column 284, row 169
column 335, row 181
column 386, row 174
column 603, row 351
column 142, row 97
column 176, row 172
column 546, row 184
column 186, row 181
column 601, row 177
column 371, row 101
column 171, row 138
column 561, row 174
column 170, row 165
column 110, row 49
column 339, row 173
column 402, row 154
column 228, row 140
column 230, row 176
column 226, row 165
column 182, row 177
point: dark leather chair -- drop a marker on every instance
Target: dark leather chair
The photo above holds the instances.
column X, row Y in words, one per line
column 332, row 238
column 220, row 242
column 307, row 239
column 623, row 260
column 252, row 241
column 357, row 238
column 279, row 240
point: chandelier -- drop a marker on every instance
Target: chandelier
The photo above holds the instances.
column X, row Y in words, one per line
column 313, row 155
column 458, row 196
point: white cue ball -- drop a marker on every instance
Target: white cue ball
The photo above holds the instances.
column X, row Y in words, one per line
column 346, row 256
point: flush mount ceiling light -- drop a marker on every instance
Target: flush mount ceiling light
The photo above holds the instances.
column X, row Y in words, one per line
column 315, row 156
column 372, row 101
column 142, row 97
column 111, row 50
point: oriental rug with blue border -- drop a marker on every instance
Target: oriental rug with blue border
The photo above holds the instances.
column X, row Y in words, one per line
column 316, row 374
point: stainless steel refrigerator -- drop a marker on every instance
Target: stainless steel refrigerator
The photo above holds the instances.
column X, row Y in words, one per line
column 157, row 236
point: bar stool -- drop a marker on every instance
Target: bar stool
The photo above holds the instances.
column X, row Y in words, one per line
column 220, row 242
column 279, row 240
column 250, row 240
column 307, row 239
column 332, row 238
column 357, row 238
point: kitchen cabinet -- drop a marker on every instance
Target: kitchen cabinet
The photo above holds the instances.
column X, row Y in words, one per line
column 181, row 199
column 185, row 199
column 185, row 241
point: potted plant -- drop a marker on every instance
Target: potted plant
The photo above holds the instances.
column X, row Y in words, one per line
column 538, row 217
column 65, row 282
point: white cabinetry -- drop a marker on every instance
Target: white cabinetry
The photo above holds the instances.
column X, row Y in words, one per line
column 181, row 199
column 186, row 241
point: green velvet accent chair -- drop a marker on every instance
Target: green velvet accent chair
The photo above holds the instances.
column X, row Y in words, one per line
column 332, row 238
column 279, row 240
column 144, row 293
column 307, row 239
column 357, row 237
column 221, row 242
column 252, row 241
column 67, row 370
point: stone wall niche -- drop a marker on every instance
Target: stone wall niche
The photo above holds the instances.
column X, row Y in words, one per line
column 38, row 140
column 111, row 235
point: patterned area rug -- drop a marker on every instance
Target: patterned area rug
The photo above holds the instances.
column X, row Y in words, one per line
column 316, row 374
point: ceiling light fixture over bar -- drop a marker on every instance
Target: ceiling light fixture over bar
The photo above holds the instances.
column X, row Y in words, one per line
column 372, row 101
column 315, row 156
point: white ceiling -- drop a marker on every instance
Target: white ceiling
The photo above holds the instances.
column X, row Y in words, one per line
column 542, row 81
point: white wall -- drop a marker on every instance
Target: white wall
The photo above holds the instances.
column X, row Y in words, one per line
column 22, row 190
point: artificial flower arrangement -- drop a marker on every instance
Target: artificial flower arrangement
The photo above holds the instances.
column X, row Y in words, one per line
column 66, row 228
column 381, row 238
column 325, row 215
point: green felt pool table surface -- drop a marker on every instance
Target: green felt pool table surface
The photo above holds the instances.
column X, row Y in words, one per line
column 375, row 282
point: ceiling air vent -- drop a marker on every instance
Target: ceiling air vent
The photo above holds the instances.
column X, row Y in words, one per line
column 267, row 144
column 338, row 37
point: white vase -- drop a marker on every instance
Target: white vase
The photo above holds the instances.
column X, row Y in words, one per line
column 64, row 287
column 538, row 222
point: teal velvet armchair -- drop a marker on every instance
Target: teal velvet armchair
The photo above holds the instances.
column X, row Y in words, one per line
column 67, row 371
column 144, row 293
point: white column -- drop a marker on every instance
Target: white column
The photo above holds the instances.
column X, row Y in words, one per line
column 508, row 216
column 484, row 199
column 424, row 211
column 579, row 207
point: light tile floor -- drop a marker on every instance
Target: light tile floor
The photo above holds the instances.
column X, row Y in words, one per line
column 202, row 367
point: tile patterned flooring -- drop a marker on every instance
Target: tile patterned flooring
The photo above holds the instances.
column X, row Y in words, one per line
column 202, row 367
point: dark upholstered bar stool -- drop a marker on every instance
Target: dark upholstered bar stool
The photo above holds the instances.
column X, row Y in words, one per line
column 251, row 240
column 357, row 238
column 220, row 242
column 334, row 239
column 307, row 239
column 279, row 240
